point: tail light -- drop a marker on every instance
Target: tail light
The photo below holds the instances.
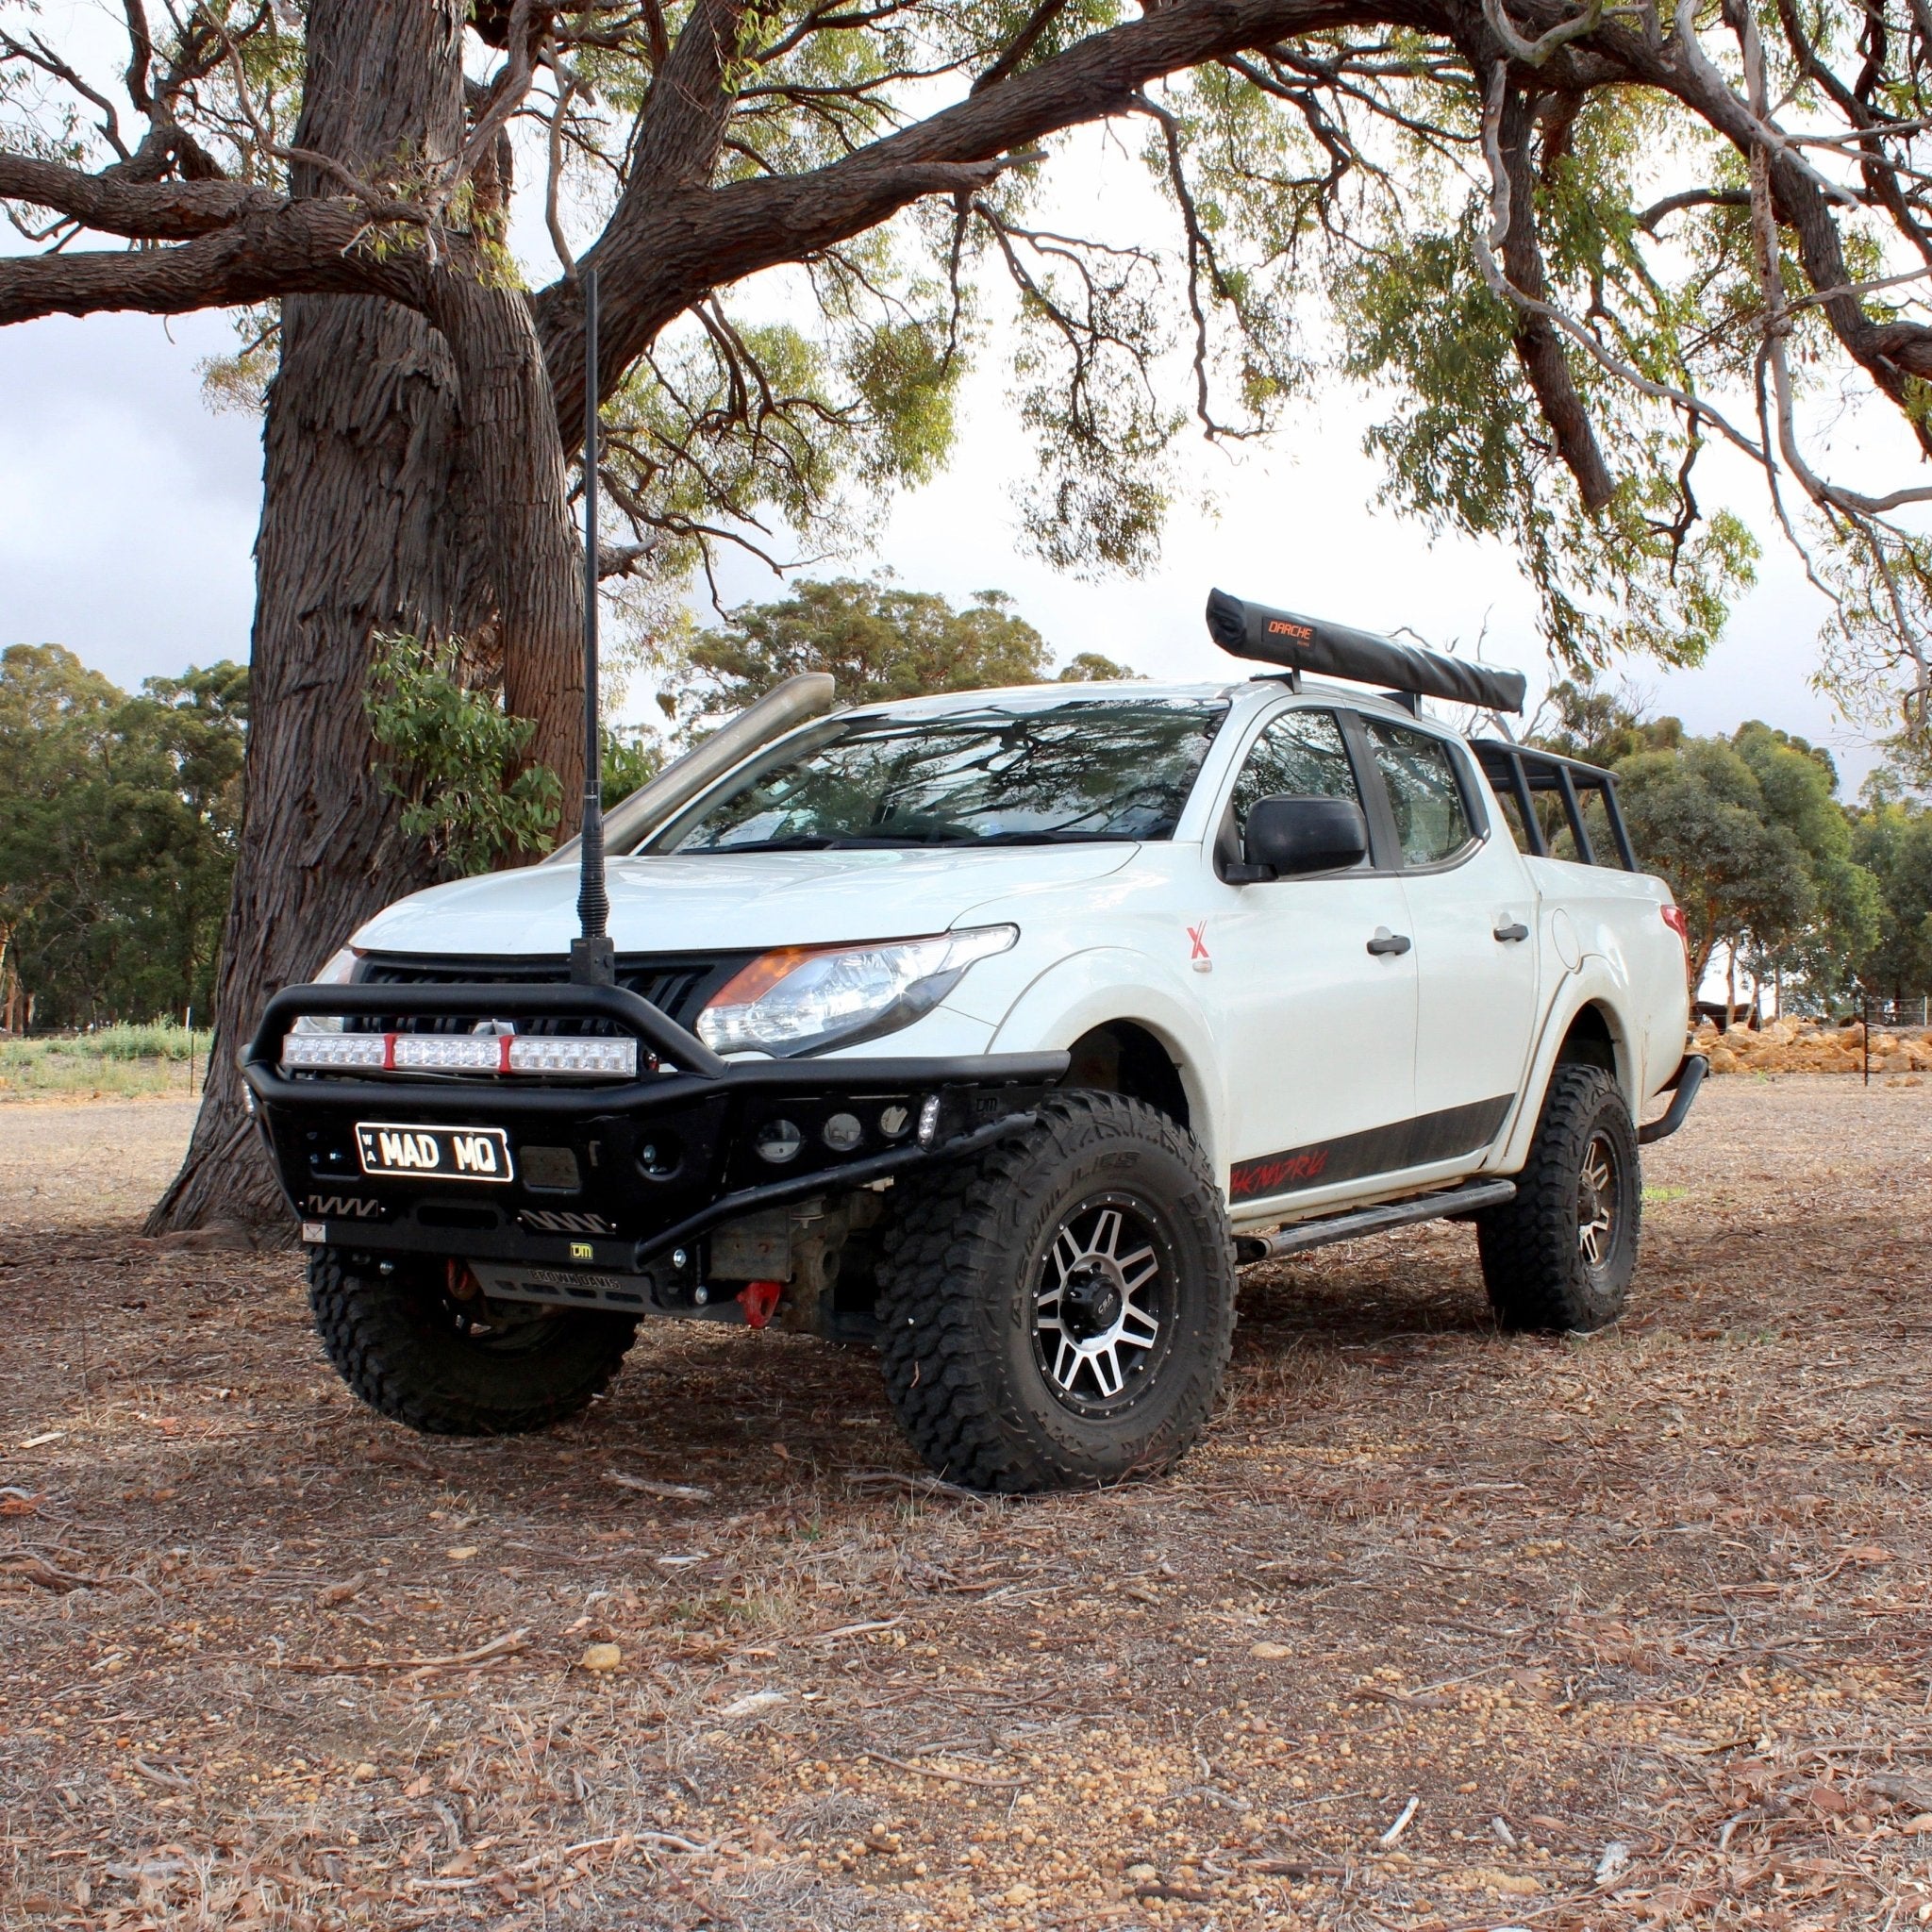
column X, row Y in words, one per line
column 1674, row 918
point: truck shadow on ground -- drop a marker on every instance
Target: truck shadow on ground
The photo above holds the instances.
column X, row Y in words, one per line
column 689, row 1394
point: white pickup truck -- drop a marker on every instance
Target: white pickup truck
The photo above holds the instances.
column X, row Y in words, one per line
column 998, row 1029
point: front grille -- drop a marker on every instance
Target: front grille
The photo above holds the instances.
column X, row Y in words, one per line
column 678, row 986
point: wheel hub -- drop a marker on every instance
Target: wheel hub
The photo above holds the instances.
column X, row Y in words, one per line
column 1091, row 1304
column 1102, row 1304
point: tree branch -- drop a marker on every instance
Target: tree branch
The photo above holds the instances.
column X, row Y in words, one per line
column 1658, row 212
column 306, row 247
column 143, row 211
column 663, row 252
column 1537, row 347
column 1021, row 44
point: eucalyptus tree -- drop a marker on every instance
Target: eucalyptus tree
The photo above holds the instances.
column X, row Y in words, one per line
column 1571, row 247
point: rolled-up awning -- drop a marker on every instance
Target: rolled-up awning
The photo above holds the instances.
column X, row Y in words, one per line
column 1337, row 650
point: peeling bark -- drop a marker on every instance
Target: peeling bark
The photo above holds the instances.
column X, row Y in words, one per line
column 414, row 482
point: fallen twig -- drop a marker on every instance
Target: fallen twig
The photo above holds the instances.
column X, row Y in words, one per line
column 506, row 1645
column 853, row 1630
column 1401, row 1825
column 677, row 1492
column 915, row 1485
column 37, row 1570
column 955, row 1778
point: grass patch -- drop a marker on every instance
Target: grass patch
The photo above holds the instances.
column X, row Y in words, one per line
column 120, row 1062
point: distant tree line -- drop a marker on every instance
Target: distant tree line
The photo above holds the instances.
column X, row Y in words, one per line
column 880, row 641
column 1777, row 876
column 119, row 821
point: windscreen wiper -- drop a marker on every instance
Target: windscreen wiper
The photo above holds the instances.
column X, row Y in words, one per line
column 970, row 841
column 1052, row 838
column 815, row 842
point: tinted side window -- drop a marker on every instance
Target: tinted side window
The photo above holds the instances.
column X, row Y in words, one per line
column 1300, row 755
column 1431, row 819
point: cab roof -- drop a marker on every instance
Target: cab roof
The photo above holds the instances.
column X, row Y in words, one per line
column 1241, row 696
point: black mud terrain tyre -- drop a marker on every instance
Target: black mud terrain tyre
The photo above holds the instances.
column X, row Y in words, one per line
column 1559, row 1258
column 454, row 1365
column 1057, row 1312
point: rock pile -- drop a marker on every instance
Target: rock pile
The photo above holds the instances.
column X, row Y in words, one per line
column 1806, row 1046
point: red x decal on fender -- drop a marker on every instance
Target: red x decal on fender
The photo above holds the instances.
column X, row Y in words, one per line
column 1197, row 938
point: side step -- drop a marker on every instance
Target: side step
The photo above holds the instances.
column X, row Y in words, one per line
column 1303, row 1235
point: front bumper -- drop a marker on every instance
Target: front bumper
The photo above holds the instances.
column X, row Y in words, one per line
column 621, row 1180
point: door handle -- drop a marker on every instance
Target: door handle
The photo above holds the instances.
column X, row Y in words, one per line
column 1386, row 941
column 1511, row 934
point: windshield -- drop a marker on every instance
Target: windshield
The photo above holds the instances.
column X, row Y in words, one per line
column 1093, row 768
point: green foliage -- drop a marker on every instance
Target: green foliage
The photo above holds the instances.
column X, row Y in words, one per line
column 879, row 642
column 122, row 1062
column 1697, row 816
column 1314, row 186
column 455, row 759
column 1466, row 449
column 728, row 426
column 1891, row 839
column 119, row 819
column 155, row 1040
column 1600, row 725
column 626, row 764
column 1799, row 785
column 1089, row 667
column 1748, row 830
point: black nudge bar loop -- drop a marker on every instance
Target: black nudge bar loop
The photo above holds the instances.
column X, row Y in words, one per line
column 636, row 1016
column 1334, row 650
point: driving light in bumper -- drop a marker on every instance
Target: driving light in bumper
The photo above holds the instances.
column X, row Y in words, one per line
column 803, row 998
column 501, row 1053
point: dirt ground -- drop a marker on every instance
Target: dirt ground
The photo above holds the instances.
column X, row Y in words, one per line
column 1438, row 1628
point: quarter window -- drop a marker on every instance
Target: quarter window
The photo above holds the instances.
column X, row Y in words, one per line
column 1300, row 755
column 1431, row 817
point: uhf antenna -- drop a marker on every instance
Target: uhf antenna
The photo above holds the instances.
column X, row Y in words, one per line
column 592, row 956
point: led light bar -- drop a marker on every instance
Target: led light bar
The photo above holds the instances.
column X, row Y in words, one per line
column 333, row 1050
column 437, row 1053
column 476, row 1052
column 560, row 1053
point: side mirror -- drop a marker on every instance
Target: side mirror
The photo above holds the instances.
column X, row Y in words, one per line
column 1285, row 835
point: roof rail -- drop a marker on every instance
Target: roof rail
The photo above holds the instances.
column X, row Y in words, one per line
column 1334, row 650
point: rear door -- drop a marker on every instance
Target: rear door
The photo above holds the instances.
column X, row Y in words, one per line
column 1318, row 1032
column 1472, row 914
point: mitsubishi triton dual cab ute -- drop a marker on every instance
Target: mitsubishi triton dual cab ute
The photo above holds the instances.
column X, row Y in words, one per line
column 998, row 1029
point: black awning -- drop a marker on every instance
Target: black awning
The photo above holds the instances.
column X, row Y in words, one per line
column 1334, row 650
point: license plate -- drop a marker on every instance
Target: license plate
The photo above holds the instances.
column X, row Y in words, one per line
column 400, row 1151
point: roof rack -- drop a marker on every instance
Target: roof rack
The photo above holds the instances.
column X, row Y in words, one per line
column 1519, row 772
column 1334, row 650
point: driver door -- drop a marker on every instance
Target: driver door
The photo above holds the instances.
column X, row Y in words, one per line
column 1318, row 1034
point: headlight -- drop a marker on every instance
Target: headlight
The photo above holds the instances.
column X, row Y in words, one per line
column 339, row 971
column 801, row 998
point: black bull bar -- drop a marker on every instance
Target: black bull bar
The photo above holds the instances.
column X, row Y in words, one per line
column 631, row 1212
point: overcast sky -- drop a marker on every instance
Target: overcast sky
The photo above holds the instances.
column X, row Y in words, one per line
column 128, row 514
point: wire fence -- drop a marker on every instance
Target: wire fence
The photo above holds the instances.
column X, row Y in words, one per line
column 1880, row 1015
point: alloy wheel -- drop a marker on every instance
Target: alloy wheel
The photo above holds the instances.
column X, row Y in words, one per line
column 1104, row 1305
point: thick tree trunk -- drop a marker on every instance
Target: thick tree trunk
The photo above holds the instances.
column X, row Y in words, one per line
column 517, row 551
column 414, row 482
